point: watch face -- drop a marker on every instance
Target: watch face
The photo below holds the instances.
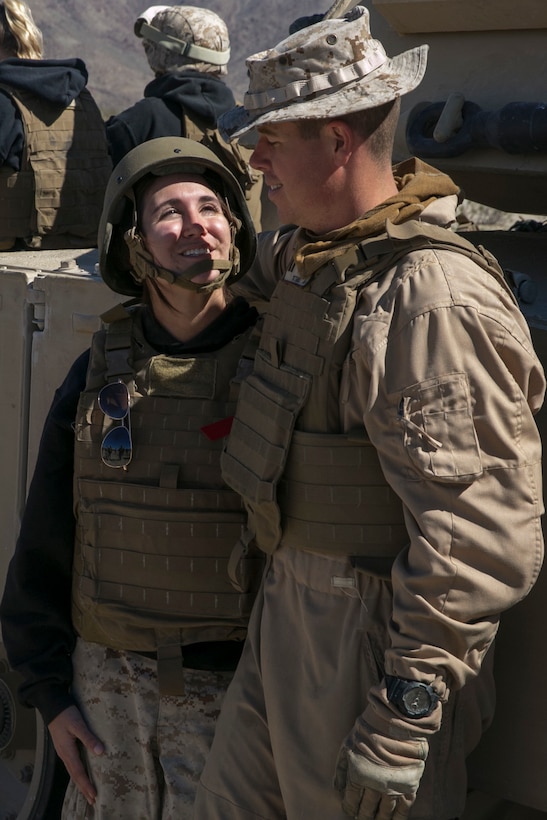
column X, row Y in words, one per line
column 417, row 701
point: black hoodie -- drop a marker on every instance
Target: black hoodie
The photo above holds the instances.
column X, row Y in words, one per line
column 56, row 81
column 161, row 112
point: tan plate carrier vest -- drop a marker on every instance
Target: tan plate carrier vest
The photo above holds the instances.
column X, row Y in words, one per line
column 305, row 484
column 56, row 199
column 236, row 158
column 152, row 565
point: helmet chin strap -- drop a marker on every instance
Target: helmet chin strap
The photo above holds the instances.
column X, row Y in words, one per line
column 144, row 267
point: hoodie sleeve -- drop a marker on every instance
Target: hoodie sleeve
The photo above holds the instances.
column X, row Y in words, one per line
column 11, row 133
column 35, row 611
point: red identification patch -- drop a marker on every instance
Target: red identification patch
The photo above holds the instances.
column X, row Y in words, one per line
column 218, row 429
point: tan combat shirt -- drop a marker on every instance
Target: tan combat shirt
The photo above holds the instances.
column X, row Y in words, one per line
column 443, row 375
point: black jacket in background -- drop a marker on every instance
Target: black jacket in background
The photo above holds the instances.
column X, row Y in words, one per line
column 161, row 113
column 56, row 81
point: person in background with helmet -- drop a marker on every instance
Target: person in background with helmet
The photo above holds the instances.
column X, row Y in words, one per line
column 126, row 617
column 386, row 450
column 188, row 49
column 54, row 161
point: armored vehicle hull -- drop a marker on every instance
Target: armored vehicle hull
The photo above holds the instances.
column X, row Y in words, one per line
column 480, row 115
column 50, row 303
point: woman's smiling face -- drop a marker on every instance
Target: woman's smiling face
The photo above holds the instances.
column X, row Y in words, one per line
column 183, row 222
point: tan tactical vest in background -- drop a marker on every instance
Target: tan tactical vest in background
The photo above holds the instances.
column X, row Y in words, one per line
column 236, row 158
column 153, row 545
column 56, row 199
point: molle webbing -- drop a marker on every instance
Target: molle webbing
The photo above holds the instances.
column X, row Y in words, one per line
column 154, row 544
column 292, row 394
column 162, row 552
column 56, row 198
column 335, row 498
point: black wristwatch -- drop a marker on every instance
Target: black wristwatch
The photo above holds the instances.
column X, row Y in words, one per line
column 412, row 698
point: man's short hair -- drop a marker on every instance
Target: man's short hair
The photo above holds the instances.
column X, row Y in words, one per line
column 375, row 125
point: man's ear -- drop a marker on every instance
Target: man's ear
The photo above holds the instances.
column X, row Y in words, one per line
column 343, row 140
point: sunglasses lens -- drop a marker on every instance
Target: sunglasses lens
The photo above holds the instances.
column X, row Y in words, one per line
column 114, row 400
column 116, row 450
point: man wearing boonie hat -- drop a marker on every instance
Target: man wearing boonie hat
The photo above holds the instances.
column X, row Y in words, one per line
column 188, row 49
column 386, row 450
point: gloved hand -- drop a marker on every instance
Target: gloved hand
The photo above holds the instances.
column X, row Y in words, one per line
column 382, row 760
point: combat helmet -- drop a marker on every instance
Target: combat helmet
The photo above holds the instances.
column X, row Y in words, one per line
column 123, row 259
column 175, row 37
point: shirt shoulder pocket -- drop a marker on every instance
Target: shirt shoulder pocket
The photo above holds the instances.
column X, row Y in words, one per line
column 438, row 428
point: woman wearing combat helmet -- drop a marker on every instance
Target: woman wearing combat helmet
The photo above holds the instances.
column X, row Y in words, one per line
column 128, row 648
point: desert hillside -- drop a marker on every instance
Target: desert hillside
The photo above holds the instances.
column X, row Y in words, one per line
column 101, row 33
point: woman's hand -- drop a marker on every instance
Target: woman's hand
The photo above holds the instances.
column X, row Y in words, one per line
column 66, row 730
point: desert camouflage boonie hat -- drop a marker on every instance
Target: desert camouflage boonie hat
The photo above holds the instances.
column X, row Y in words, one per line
column 175, row 36
column 328, row 69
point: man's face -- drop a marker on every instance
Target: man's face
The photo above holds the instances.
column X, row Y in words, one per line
column 297, row 172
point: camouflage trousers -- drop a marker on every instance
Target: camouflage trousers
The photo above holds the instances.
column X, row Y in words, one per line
column 155, row 746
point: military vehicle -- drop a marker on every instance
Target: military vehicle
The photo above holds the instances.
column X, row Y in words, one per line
column 50, row 303
column 480, row 115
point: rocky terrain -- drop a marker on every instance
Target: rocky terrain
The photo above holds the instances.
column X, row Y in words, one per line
column 101, row 33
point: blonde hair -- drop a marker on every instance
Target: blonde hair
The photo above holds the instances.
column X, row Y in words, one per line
column 19, row 34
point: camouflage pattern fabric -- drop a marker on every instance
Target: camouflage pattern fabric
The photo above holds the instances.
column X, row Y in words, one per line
column 155, row 747
column 301, row 78
column 191, row 25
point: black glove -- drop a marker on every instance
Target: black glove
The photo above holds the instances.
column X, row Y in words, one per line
column 304, row 22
